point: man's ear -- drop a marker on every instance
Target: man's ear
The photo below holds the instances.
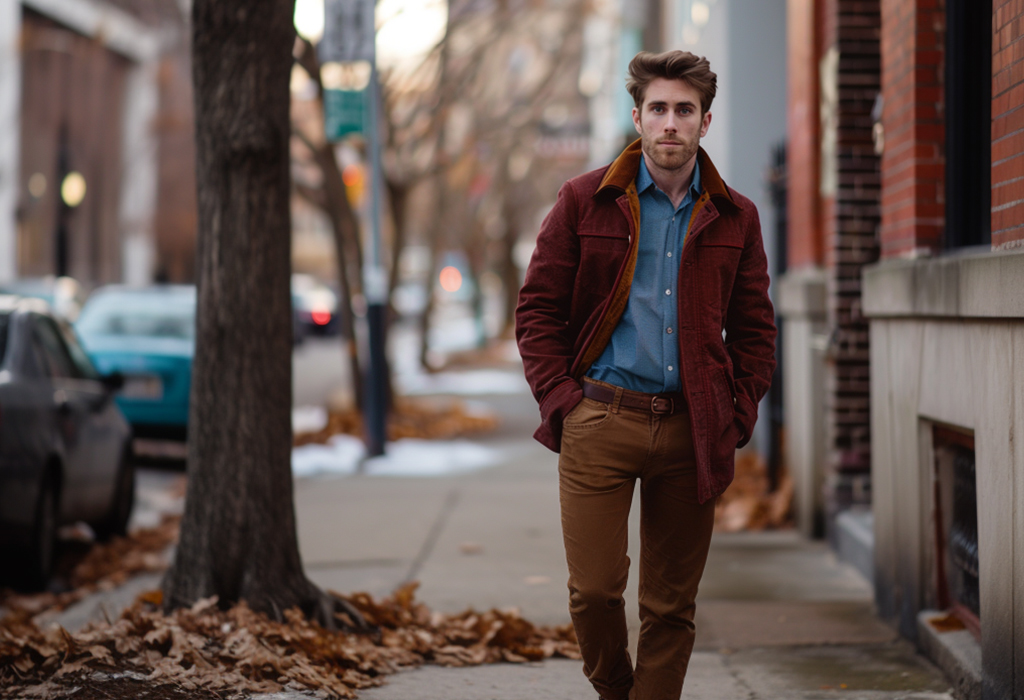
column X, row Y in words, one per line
column 636, row 120
column 704, row 124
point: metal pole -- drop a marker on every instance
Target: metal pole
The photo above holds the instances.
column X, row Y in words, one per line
column 375, row 286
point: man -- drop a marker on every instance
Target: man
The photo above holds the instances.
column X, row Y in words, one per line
column 648, row 339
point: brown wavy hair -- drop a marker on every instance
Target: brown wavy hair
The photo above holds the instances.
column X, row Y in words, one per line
column 672, row 65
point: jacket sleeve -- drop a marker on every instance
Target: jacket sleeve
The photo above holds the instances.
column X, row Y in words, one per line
column 750, row 330
column 542, row 318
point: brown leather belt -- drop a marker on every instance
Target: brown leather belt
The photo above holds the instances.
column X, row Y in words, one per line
column 658, row 404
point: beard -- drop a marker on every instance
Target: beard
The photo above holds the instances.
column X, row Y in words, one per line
column 669, row 158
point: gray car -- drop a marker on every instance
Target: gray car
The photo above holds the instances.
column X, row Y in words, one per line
column 64, row 444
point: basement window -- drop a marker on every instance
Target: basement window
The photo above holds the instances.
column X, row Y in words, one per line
column 956, row 525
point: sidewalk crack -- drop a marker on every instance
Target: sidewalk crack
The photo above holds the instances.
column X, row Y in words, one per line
column 450, row 501
column 735, row 675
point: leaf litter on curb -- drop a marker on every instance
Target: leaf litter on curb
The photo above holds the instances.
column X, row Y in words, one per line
column 430, row 419
column 234, row 652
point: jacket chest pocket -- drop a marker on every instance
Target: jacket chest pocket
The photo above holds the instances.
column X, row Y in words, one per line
column 601, row 256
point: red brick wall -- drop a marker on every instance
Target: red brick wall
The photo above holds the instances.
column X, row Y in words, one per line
column 1007, row 124
column 913, row 161
column 804, row 237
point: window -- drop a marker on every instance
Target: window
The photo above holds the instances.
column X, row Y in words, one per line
column 56, row 359
column 82, row 364
column 968, row 122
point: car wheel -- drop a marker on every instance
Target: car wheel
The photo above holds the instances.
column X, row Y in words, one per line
column 116, row 520
column 38, row 560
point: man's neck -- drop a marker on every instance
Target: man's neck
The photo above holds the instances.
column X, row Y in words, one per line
column 673, row 183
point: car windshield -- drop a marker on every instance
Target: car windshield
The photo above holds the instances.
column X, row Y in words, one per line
column 172, row 316
column 4, row 318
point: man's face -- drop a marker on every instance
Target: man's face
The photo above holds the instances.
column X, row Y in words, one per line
column 670, row 123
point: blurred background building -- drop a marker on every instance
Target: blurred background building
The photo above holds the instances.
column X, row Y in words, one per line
column 96, row 165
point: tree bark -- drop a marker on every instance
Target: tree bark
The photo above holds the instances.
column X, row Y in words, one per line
column 238, row 538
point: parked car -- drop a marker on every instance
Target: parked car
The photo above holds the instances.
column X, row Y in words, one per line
column 65, row 447
column 148, row 335
column 64, row 294
column 315, row 305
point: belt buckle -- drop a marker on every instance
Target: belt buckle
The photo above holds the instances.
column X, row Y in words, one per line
column 662, row 405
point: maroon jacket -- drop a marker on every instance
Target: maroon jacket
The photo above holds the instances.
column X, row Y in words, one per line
column 577, row 287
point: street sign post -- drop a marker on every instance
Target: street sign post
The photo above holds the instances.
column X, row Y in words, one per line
column 348, row 44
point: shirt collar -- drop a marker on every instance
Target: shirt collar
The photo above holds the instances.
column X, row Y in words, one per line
column 644, row 180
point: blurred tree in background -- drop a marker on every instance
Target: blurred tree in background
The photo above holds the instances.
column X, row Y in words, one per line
column 464, row 139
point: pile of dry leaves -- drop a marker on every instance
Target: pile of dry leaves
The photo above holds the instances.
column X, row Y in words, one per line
column 224, row 653
column 104, row 566
column 748, row 503
column 409, row 418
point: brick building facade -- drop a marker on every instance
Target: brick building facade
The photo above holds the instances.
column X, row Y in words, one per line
column 833, row 208
column 906, row 142
column 101, row 89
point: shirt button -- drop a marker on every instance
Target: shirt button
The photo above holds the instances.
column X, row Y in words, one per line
column 669, row 254
column 670, row 368
column 668, row 292
column 670, row 330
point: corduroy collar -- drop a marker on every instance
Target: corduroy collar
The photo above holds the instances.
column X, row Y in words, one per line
column 624, row 169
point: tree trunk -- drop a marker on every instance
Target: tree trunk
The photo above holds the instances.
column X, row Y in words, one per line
column 345, row 226
column 397, row 199
column 436, row 240
column 509, row 270
column 238, row 538
column 477, row 253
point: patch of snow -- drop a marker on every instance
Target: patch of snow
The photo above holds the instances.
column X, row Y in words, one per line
column 343, row 454
column 308, row 419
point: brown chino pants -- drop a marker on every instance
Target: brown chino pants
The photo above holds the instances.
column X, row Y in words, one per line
column 605, row 449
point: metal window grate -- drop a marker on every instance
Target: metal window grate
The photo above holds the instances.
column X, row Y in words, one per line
column 963, row 532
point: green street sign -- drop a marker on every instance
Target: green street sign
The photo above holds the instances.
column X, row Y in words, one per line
column 344, row 113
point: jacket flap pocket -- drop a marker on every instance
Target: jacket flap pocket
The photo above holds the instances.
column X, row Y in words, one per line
column 597, row 233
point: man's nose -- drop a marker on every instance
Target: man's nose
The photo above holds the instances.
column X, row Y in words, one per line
column 670, row 123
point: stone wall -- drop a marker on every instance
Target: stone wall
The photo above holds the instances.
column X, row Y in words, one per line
column 947, row 348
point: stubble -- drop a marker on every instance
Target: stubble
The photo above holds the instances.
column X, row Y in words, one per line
column 669, row 159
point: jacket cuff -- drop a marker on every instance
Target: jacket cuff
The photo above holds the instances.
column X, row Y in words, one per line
column 745, row 418
column 553, row 410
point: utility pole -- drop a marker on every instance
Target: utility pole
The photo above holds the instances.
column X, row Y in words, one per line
column 350, row 40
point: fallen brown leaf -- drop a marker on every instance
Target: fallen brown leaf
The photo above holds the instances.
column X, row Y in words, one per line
column 206, row 649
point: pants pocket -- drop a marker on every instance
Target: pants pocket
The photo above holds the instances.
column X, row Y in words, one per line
column 588, row 414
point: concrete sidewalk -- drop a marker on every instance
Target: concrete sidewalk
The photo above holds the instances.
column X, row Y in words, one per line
column 778, row 617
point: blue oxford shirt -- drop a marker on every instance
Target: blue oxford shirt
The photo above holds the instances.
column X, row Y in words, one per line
column 643, row 352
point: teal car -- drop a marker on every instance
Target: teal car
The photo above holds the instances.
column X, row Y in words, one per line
column 148, row 335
